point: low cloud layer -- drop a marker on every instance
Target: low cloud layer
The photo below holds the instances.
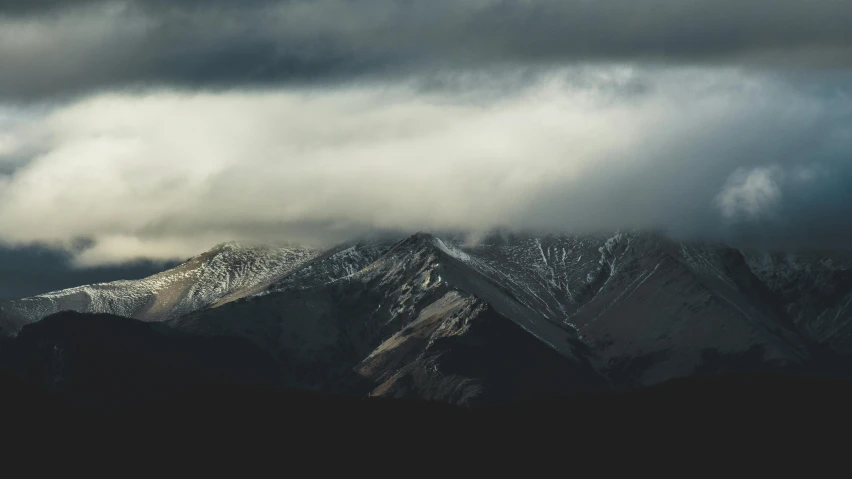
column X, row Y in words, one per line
column 722, row 154
column 154, row 129
column 53, row 48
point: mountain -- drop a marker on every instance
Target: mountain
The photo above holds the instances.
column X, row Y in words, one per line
column 419, row 321
column 189, row 417
column 814, row 290
column 639, row 308
column 227, row 272
column 514, row 316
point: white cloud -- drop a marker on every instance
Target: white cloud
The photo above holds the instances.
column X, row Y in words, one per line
column 750, row 194
column 165, row 174
column 120, row 249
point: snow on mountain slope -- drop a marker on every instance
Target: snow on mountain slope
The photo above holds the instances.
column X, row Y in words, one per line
column 225, row 273
column 460, row 350
column 668, row 311
column 323, row 332
column 323, row 329
column 815, row 290
column 640, row 307
column 651, row 308
column 335, row 264
column 648, row 309
column 548, row 274
column 633, row 295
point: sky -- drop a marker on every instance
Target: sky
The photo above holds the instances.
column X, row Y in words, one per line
column 142, row 132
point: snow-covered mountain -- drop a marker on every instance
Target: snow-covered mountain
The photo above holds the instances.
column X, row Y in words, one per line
column 815, row 291
column 225, row 273
column 641, row 308
column 411, row 323
column 511, row 316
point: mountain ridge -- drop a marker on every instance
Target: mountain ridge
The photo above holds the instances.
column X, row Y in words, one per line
column 417, row 316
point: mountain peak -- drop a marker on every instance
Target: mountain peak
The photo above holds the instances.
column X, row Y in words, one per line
column 420, row 237
column 415, row 241
column 632, row 301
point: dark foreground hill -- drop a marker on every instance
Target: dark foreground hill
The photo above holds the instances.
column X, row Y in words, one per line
column 756, row 415
column 122, row 376
column 122, row 396
column 103, row 362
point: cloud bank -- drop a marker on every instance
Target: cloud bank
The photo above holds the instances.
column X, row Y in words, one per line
column 715, row 153
column 154, row 129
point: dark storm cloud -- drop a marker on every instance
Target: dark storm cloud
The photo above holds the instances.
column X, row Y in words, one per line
column 60, row 47
column 41, row 7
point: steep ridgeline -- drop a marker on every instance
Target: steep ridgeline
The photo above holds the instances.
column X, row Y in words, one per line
column 814, row 290
column 332, row 265
column 640, row 308
column 227, row 272
column 420, row 321
column 511, row 316
column 651, row 309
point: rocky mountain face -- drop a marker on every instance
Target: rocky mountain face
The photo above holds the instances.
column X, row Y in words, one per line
column 511, row 317
column 814, row 291
column 227, row 272
column 393, row 322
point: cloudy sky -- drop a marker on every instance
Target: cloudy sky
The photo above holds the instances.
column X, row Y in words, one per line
column 151, row 130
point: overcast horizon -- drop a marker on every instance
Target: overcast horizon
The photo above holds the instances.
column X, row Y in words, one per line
column 143, row 132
